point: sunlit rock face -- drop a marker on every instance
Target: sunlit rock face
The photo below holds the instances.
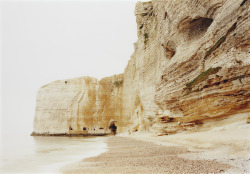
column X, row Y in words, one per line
column 191, row 65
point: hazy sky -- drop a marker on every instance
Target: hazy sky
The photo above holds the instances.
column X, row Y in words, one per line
column 44, row 41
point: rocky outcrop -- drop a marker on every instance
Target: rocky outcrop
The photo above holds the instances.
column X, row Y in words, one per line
column 190, row 65
column 80, row 106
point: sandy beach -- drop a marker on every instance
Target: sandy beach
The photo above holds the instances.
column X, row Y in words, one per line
column 127, row 155
column 223, row 149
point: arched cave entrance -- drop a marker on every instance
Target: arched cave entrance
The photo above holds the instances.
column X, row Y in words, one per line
column 113, row 128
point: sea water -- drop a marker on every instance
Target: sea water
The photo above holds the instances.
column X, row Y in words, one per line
column 38, row 154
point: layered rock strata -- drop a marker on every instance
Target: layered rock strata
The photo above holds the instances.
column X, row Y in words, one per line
column 191, row 65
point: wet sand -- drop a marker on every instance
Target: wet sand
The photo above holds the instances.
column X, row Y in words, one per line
column 129, row 155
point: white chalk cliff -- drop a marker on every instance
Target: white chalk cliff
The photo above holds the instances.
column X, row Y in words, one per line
column 191, row 65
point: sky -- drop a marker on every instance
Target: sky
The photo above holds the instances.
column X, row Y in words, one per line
column 44, row 41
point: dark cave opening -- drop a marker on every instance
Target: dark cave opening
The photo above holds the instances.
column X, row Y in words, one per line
column 198, row 27
column 113, row 128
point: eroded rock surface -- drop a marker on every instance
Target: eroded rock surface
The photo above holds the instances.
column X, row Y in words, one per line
column 191, row 64
column 80, row 106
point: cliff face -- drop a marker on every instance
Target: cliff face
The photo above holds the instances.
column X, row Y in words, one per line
column 191, row 65
column 79, row 106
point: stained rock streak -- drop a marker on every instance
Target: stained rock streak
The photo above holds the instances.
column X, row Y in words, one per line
column 191, row 64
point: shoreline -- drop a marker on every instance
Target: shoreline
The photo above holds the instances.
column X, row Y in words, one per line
column 47, row 154
column 128, row 155
column 224, row 149
column 71, row 135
